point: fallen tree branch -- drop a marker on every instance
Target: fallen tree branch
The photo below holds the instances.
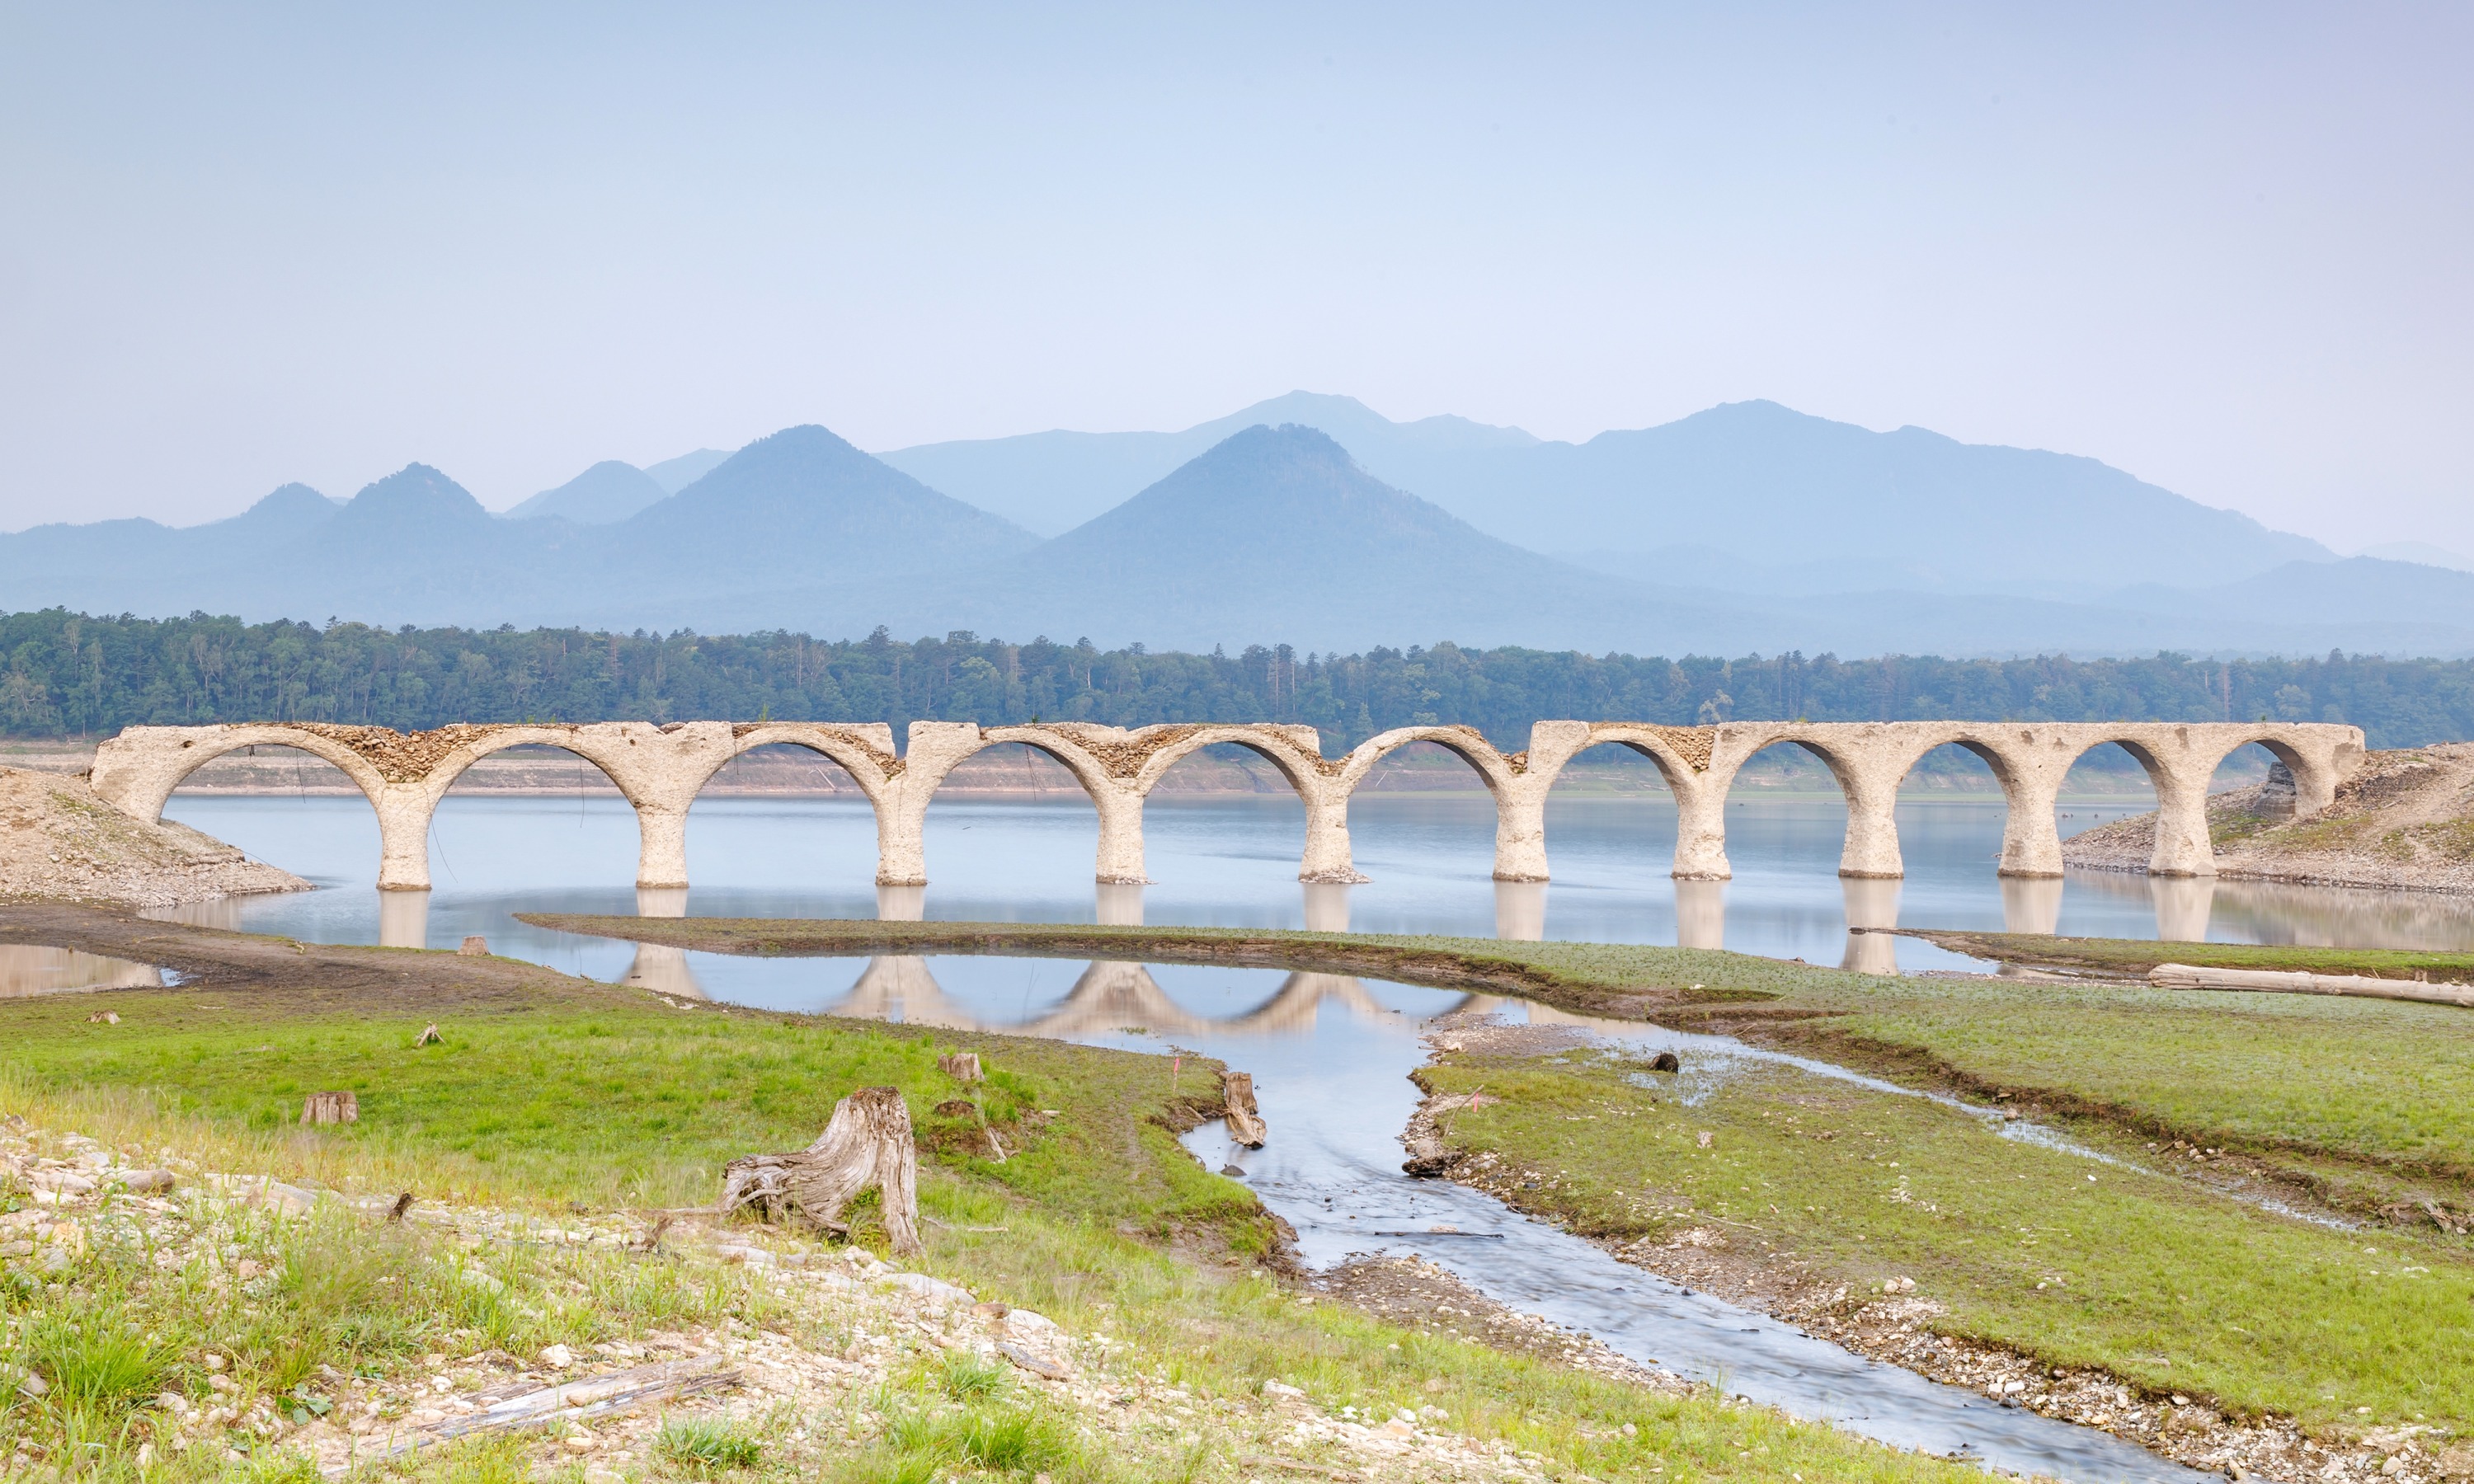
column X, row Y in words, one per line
column 576, row 1401
column 2272, row 981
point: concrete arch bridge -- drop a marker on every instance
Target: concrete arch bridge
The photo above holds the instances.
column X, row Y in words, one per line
column 659, row 770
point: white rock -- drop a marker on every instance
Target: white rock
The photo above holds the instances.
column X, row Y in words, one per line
column 557, row 1356
column 931, row 1287
column 1283, row 1390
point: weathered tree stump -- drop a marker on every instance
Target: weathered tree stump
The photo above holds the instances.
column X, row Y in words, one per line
column 961, row 1066
column 867, row 1142
column 475, row 946
column 1245, row 1119
column 332, row 1108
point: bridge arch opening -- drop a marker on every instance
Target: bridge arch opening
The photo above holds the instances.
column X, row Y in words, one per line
column 287, row 805
column 783, row 816
column 1424, row 807
column 530, row 816
column 1012, row 819
column 1610, row 819
column 1225, row 811
column 1786, row 812
column 2260, row 777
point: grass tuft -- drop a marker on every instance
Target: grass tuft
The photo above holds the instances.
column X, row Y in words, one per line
column 703, row 1445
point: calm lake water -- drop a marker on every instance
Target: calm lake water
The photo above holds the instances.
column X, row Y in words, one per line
column 1232, row 861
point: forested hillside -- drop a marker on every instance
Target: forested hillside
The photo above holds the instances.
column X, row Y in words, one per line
column 67, row 674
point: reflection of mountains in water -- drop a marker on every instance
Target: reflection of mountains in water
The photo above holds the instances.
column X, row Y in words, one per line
column 1108, row 996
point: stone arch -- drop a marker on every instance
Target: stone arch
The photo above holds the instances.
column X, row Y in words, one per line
column 1495, row 768
column 657, row 769
column 2181, row 775
column 865, row 752
column 1294, row 752
column 1519, row 813
column 2315, row 772
column 936, row 748
column 138, row 770
column 1867, row 760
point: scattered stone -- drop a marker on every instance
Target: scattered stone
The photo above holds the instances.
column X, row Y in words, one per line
column 475, row 945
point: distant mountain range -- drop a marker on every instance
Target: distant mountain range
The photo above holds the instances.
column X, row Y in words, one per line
column 1313, row 521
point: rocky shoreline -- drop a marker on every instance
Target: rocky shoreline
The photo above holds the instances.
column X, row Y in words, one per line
column 59, row 841
column 2403, row 821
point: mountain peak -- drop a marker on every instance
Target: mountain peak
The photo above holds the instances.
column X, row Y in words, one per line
column 607, row 493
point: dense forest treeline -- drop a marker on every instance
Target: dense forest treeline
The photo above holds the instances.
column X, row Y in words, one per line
column 71, row 674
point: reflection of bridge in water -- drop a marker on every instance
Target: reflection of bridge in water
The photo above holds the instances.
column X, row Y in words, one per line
column 888, row 991
column 1107, row 996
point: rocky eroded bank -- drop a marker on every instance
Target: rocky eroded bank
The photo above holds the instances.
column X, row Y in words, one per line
column 59, row 840
column 2404, row 820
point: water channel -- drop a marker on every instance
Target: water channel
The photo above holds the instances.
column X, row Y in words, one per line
column 1330, row 1053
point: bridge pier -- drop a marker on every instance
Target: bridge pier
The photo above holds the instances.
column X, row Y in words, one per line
column 1120, row 835
column 1327, row 860
column 1520, row 828
column 403, row 812
column 1871, row 785
column 2183, row 848
column 1700, row 829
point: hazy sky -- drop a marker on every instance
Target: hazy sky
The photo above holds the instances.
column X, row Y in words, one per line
column 2225, row 248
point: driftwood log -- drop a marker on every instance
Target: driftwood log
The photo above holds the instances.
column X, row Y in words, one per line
column 868, row 1142
column 507, row 1408
column 332, row 1108
column 1245, row 1119
column 961, row 1066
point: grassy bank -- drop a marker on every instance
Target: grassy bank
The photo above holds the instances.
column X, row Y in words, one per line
column 1816, row 1185
column 2372, row 1103
column 571, row 1100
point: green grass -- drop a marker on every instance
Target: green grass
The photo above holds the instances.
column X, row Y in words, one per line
column 333, row 1296
column 2387, row 1087
column 2141, row 1275
column 708, row 1444
column 600, row 1098
column 625, row 1102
